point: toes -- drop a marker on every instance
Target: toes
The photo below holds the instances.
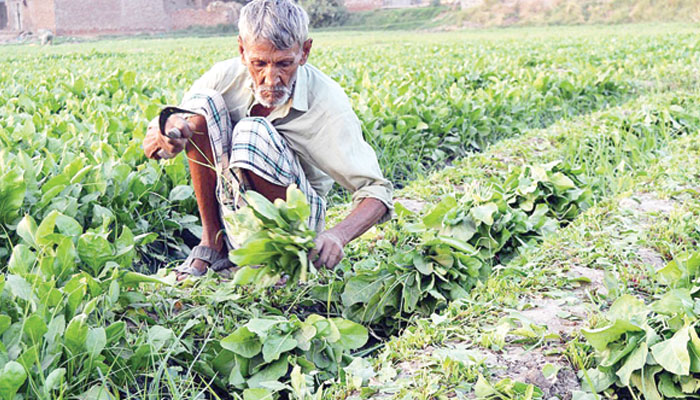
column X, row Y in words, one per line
column 180, row 276
column 197, row 264
column 200, row 265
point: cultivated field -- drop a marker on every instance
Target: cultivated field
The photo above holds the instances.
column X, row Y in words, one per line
column 545, row 244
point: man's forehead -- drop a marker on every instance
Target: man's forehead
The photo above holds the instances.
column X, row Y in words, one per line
column 263, row 48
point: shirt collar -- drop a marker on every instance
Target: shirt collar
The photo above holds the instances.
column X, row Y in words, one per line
column 300, row 100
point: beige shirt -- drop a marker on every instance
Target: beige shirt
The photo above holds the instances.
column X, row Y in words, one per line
column 319, row 125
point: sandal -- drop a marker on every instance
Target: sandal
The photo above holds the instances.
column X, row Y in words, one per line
column 217, row 261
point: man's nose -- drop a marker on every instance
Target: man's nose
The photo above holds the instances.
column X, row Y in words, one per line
column 272, row 76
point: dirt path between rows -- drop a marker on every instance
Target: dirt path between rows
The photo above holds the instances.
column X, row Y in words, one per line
column 561, row 312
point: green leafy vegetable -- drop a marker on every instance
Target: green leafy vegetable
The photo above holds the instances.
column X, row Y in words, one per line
column 273, row 236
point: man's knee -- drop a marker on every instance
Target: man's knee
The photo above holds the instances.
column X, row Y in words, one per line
column 199, row 123
column 256, row 145
column 252, row 129
column 200, row 139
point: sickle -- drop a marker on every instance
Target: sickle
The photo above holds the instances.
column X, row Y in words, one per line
column 165, row 113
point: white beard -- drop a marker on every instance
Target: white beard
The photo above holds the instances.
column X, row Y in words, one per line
column 286, row 90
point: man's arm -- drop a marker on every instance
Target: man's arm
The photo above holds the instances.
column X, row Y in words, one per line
column 341, row 152
column 330, row 243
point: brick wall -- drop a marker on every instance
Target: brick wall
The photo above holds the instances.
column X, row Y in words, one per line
column 143, row 15
column 175, row 5
column 40, row 15
column 71, row 17
column 33, row 15
column 363, row 5
column 12, row 21
column 214, row 14
column 109, row 16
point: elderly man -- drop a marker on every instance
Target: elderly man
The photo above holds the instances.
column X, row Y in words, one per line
column 264, row 121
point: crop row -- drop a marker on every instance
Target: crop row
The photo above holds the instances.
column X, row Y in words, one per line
column 480, row 309
column 452, row 353
column 75, row 120
column 494, row 189
column 454, row 98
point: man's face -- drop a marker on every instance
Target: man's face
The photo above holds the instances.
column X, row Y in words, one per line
column 273, row 70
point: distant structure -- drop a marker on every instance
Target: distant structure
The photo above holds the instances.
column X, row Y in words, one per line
column 368, row 5
column 72, row 17
column 465, row 4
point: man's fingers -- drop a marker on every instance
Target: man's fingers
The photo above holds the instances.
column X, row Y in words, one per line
column 174, row 133
column 332, row 260
column 154, row 142
column 174, row 146
column 159, row 145
column 316, row 250
column 180, row 128
column 323, row 260
column 328, row 251
column 176, row 142
column 336, row 259
column 314, row 254
column 162, row 154
column 331, row 257
column 317, row 263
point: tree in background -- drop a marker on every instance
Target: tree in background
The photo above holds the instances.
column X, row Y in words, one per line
column 324, row 13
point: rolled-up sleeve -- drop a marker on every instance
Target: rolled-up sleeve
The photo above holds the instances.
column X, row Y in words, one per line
column 340, row 151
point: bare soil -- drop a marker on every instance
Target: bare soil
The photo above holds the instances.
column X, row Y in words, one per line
column 414, row 206
column 519, row 364
column 647, row 203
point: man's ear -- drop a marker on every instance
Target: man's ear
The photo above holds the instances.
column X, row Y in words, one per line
column 241, row 48
column 306, row 50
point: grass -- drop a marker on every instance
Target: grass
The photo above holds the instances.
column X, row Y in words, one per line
column 396, row 19
column 569, row 12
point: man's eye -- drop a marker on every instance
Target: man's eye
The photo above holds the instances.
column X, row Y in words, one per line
column 258, row 64
column 284, row 64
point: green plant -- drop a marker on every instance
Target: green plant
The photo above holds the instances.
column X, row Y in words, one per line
column 457, row 243
column 258, row 354
column 652, row 350
column 273, row 237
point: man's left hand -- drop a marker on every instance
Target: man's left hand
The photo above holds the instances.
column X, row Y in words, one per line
column 328, row 251
column 330, row 243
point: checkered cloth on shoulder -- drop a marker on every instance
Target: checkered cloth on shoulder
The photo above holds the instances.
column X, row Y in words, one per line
column 255, row 145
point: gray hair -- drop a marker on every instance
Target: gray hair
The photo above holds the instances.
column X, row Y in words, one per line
column 282, row 22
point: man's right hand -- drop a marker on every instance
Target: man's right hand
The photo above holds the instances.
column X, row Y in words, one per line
column 157, row 146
